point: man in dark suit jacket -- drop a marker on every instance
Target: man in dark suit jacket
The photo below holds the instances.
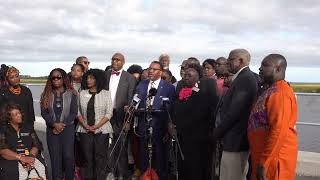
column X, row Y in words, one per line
column 121, row 85
column 232, row 117
column 159, row 122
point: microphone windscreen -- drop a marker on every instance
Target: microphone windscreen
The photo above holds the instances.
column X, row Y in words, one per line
column 152, row 92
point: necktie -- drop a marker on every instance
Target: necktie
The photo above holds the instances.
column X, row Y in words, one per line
column 153, row 84
column 149, row 99
column 115, row 72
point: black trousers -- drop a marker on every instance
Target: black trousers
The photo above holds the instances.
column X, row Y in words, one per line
column 61, row 149
column 93, row 148
column 195, row 163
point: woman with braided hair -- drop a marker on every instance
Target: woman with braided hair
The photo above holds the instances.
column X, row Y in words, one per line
column 13, row 92
column 59, row 109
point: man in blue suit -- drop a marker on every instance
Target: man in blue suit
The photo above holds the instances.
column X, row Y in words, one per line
column 154, row 99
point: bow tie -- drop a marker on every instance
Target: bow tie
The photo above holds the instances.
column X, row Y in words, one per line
column 115, row 72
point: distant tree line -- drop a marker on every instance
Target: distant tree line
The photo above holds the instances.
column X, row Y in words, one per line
column 30, row 77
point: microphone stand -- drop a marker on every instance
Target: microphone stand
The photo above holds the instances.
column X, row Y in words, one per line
column 149, row 120
column 123, row 135
column 177, row 145
column 149, row 173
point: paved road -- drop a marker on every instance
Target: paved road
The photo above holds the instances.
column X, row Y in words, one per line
column 307, row 178
column 42, row 137
column 308, row 112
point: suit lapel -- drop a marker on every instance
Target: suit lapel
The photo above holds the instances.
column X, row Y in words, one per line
column 157, row 100
column 108, row 75
column 122, row 81
column 144, row 92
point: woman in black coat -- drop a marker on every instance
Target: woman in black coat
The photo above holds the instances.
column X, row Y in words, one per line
column 193, row 112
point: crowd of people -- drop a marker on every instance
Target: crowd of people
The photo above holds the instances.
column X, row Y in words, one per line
column 220, row 121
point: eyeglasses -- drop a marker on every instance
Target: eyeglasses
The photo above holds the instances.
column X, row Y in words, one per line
column 153, row 69
column 56, row 78
column 85, row 62
column 115, row 59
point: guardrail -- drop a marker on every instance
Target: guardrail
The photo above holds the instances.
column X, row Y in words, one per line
column 308, row 124
column 307, row 94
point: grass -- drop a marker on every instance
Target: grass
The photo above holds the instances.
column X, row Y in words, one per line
column 306, row 87
column 33, row 81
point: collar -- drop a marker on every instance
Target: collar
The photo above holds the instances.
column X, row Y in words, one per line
column 236, row 75
column 156, row 82
column 196, row 88
column 118, row 72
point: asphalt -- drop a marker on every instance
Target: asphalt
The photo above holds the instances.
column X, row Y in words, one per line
column 307, row 178
column 40, row 130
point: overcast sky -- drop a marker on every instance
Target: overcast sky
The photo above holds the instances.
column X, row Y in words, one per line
column 61, row 30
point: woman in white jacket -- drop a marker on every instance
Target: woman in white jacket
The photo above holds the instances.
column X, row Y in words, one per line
column 94, row 128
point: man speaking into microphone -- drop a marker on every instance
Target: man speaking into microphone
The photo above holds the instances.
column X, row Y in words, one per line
column 151, row 92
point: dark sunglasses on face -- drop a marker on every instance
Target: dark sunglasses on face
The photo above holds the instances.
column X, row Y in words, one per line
column 56, row 78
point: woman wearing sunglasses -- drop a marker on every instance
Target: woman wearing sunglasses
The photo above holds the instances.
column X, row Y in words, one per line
column 59, row 109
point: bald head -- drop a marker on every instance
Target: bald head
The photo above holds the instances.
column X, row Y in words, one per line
column 278, row 60
column 119, row 55
column 273, row 68
column 243, row 54
column 117, row 61
column 238, row 58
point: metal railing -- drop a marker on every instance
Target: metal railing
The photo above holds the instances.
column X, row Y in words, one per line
column 308, row 124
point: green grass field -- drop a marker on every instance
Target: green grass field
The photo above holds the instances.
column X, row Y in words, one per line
column 305, row 87
column 33, row 81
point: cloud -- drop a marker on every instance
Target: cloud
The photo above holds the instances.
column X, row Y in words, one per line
column 142, row 29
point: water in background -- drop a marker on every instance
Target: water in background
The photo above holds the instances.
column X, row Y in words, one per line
column 293, row 74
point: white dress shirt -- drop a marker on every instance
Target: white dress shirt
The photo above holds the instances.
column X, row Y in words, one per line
column 155, row 85
column 236, row 75
column 113, row 86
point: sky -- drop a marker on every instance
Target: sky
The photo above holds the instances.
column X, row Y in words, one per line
column 40, row 34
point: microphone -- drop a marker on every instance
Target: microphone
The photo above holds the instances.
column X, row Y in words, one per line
column 165, row 102
column 135, row 101
column 152, row 92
